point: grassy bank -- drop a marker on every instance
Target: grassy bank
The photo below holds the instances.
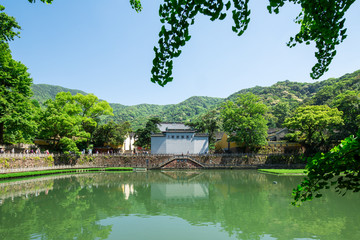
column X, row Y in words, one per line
column 284, row 172
column 59, row 171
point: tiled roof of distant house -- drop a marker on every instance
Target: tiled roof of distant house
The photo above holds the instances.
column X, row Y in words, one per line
column 218, row 135
column 201, row 135
column 165, row 126
column 157, row 135
column 180, row 130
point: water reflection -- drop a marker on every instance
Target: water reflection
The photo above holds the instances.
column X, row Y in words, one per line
column 179, row 191
column 207, row 204
column 180, row 187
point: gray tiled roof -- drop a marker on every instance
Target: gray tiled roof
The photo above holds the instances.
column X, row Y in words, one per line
column 201, row 135
column 180, row 130
column 169, row 126
column 157, row 135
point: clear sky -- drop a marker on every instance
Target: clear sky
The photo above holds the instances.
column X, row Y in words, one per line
column 106, row 48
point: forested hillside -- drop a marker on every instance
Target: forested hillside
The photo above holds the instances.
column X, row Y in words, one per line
column 183, row 111
column 286, row 92
column 137, row 115
column 43, row 92
column 295, row 92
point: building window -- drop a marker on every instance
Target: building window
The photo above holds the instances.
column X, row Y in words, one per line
column 187, row 136
column 182, row 136
column 177, row 136
column 172, row 136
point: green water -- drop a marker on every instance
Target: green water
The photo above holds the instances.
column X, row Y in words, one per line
column 171, row 205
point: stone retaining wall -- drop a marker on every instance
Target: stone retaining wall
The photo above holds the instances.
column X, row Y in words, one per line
column 151, row 161
column 9, row 161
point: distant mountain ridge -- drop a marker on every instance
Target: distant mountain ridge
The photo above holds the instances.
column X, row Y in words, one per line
column 294, row 93
column 138, row 114
column 43, row 92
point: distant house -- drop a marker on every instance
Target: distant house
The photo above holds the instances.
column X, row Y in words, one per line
column 177, row 138
column 275, row 143
column 277, row 134
column 128, row 145
column 224, row 145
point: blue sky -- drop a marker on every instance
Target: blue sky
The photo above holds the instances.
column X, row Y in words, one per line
column 106, row 48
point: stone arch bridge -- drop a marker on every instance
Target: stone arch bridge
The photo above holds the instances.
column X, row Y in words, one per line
column 181, row 162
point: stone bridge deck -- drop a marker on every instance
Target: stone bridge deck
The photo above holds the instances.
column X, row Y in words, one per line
column 180, row 162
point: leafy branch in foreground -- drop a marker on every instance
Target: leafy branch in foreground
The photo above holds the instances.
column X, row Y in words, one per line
column 322, row 22
column 178, row 16
column 339, row 167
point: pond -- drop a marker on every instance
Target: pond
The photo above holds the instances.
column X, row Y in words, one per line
column 231, row 204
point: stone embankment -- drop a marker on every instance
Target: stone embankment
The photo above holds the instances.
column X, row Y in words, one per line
column 9, row 162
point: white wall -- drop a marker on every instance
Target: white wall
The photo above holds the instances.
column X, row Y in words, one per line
column 201, row 145
column 129, row 143
column 158, row 145
column 179, row 143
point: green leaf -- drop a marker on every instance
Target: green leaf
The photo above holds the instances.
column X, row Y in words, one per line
column 222, row 16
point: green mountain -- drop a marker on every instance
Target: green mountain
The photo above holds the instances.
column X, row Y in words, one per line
column 43, row 92
column 138, row 114
column 294, row 93
column 297, row 93
column 185, row 110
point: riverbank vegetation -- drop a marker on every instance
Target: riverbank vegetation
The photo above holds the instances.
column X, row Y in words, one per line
column 284, row 172
column 60, row 171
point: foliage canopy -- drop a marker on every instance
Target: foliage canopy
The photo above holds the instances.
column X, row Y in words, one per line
column 111, row 133
column 313, row 124
column 16, row 119
column 349, row 103
column 208, row 122
column 244, row 121
column 71, row 120
column 144, row 134
column 321, row 22
column 339, row 167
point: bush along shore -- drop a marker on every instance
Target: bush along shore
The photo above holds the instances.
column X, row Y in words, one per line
column 284, row 172
column 60, row 171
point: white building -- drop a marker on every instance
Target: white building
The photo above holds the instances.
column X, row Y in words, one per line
column 128, row 145
column 176, row 138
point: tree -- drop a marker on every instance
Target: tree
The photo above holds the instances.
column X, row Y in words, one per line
column 208, row 122
column 281, row 111
column 339, row 167
column 8, row 26
column 349, row 103
column 69, row 121
column 16, row 119
column 322, row 22
column 111, row 133
column 91, row 110
column 244, row 120
column 62, row 123
column 313, row 124
column 143, row 135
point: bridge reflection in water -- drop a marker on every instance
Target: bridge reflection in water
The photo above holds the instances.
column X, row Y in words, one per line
column 179, row 191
